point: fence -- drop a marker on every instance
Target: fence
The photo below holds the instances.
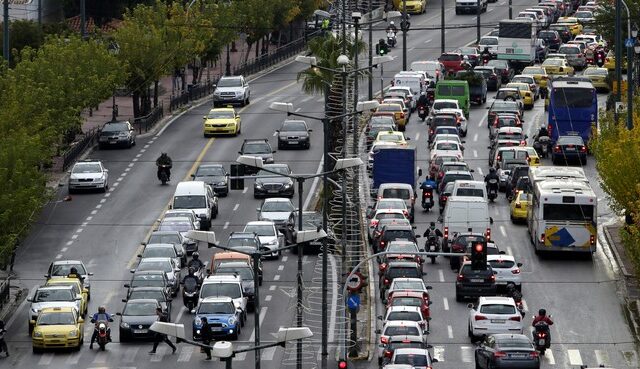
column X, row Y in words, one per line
column 150, row 119
column 194, row 92
column 70, row 156
column 4, row 290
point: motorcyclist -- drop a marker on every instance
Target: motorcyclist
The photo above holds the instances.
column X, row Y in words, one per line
column 428, row 184
column 492, row 175
column 191, row 275
column 423, row 101
column 513, row 292
column 392, row 28
column 101, row 315
column 465, row 64
column 164, row 160
column 432, row 230
column 73, row 273
column 486, row 54
column 542, row 317
column 543, row 131
column 195, row 262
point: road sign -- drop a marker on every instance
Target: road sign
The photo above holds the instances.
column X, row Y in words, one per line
column 355, row 283
column 630, row 42
column 353, row 302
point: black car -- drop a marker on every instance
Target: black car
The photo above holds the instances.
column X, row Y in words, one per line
column 444, row 195
column 397, row 269
column 502, row 66
column 114, row 134
column 294, row 133
column 503, row 106
column 259, row 148
column 494, row 82
column 569, row 148
column 157, row 293
column 563, row 31
column 151, row 278
column 215, row 176
column 136, row 318
column 394, row 232
column 268, row 183
column 507, row 351
column 551, row 39
column 475, row 283
column 512, row 180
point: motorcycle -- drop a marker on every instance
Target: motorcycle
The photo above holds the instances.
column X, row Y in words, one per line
column 432, row 245
column 541, row 145
column 492, row 189
column 104, row 332
column 163, row 173
column 391, row 39
column 517, row 298
column 485, row 59
column 600, row 58
column 541, row 337
column 190, row 294
column 422, row 112
column 427, row 198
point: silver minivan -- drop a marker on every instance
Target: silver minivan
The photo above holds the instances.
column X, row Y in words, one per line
column 398, row 191
column 199, row 197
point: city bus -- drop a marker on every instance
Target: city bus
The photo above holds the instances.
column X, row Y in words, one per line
column 563, row 216
column 573, row 109
column 537, row 174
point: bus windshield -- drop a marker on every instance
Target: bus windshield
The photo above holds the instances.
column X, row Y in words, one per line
column 570, row 212
column 572, row 98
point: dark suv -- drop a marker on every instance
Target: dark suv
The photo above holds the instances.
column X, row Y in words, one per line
column 245, row 242
column 475, row 283
column 117, row 134
column 397, row 269
column 257, row 147
column 394, row 232
column 459, row 244
column 512, row 180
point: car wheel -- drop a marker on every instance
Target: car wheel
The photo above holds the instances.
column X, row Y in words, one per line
column 458, row 298
column 36, row 350
column 583, row 161
column 236, row 334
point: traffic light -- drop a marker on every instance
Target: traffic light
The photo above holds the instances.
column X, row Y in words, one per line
column 342, row 364
column 237, row 170
column 382, row 48
column 479, row 256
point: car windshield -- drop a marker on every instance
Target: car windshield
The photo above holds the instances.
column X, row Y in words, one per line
column 86, row 168
column 568, row 212
column 450, row 57
column 63, row 270
column 447, row 146
column 277, row 206
column 152, row 280
column 447, row 130
column 56, row 318
column 404, row 315
column 209, row 171
column 595, row 72
column 404, row 272
column 229, row 82
column 447, row 168
column 404, row 344
column 175, row 226
column 221, row 289
column 502, row 264
column 53, row 295
column 570, row 140
column 115, row 127
column 497, row 309
column 402, row 247
column 393, row 234
column 216, row 308
column 569, row 50
column 396, row 193
column 140, row 308
column 260, row 230
column 159, row 252
column 533, row 70
column 244, row 272
column 145, row 264
column 505, row 105
column 179, row 214
column 220, row 114
column 406, row 301
column 468, row 50
column 472, row 192
column 507, row 122
column 445, row 105
column 408, row 285
column 498, row 64
column 390, row 204
column 522, row 79
column 570, row 97
column 401, row 331
column 189, row 202
column 256, row 148
column 294, row 126
column 147, row 294
column 583, row 14
column 390, row 137
column 164, row 238
column 281, row 169
column 488, row 41
column 553, row 62
column 411, row 359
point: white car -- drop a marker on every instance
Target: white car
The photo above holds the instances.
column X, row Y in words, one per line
column 88, row 175
column 268, row 234
column 507, row 270
column 490, row 42
column 231, row 90
column 440, row 104
column 417, row 358
column 407, row 284
column 407, row 90
column 447, row 147
column 189, row 213
column 445, row 137
column 401, row 313
column 493, row 315
column 399, row 328
column 381, row 214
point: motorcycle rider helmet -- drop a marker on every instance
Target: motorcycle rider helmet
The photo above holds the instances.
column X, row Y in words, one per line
column 492, row 170
column 101, row 310
column 191, row 271
column 542, row 312
column 391, row 23
column 195, row 255
column 423, row 93
column 465, row 58
column 432, row 225
column 510, row 287
column 73, row 270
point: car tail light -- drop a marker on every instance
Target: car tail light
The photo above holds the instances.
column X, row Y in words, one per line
column 583, row 149
column 542, row 238
column 374, row 223
column 499, row 157
column 388, row 354
column 516, row 271
column 556, row 148
column 443, row 198
column 441, row 174
column 579, row 55
column 488, row 234
column 446, row 232
column 492, row 278
column 406, row 213
column 499, row 354
column 387, row 281
column 401, row 115
column 381, row 244
column 505, row 72
column 606, row 60
column 592, row 240
column 480, row 317
column 427, row 194
column 460, row 278
column 518, row 206
column 383, row 266
column 515, row 318
column 430, row 131
column 384, row 339
column 534, row 354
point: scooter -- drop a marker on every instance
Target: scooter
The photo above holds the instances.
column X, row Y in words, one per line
column 541, row 145
column 163, row 173
column 541, row 337
column 391, row 39
column 427, row 198
column 432, row 246
column 600, row 57
column 485, row 59
column 422, row 112
column 190, row 294
column 492, row 189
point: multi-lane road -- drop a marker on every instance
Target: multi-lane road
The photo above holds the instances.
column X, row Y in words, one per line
column 105, row 231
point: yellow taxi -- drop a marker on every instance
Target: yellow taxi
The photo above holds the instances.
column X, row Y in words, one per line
column 528, row 96
column 598, row 76
column 413, row 6
column 519, row 206
column 574, row 26
column 396, row 109
column 221, row 121
column 610, row 61
column 539, row 74
column 557, row 67
column 57, row 327
column 390, row 137
column 78, row 288
column 532, row 156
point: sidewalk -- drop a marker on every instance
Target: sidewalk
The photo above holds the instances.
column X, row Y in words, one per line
column 629, row 281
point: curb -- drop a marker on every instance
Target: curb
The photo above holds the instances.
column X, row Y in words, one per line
column 12, row 306
column 616, row 254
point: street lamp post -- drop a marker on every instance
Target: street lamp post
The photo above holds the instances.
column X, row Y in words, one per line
column 631, row 36
column 227, row 71
column 114, row 49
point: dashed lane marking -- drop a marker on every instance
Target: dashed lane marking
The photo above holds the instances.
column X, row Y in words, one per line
column 235, row 207
column 285, row 258
column 602, row 358
column 268, row 298
column 450, row 332
column 280, row 268
column 417, row 136
column 64, row 249
column 263, row 314
column 466, row 353
column 100, row 205
column 130, row 354
column 74, row 236
column 102, row 201
column 69, row 243
column 226, row 225
column 94, row 212
column 438, row 353
column 441, row 275
column 277, row 277
column 445, row 302
column 548, row 355
column 503, row 230
column 185, row 353
column 107, row 194
column 244, row 190
column 272, row 288
column 45, row 359
column 475, row 153
column 101, row 357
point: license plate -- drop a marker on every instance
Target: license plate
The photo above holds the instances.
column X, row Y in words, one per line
column 518, row 356
column 113, row 141
column 293, row 142
column 216, row 329
column 140, row 331
column 477, row 280
column 570, row 149
column 432, row 248
column 500, row 321
column 541, row 342
column 273, row 191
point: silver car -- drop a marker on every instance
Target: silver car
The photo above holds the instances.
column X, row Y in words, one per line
column 294, row 133
column 62, row 268
column 278, row 210
column 167, row 265
column 88, row 175
column 161, row 250
column 52, row 296
column 268, row 234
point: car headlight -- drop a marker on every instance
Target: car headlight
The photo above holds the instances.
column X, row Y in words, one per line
column 271, row 243
column 73, row 333
column 197, row 331
column 258, row 185
column 232, row 321
column 222, row 183
column 37, row 334
column 287, row 185
column 35, row 311
column 124, row 325
column 197, row 321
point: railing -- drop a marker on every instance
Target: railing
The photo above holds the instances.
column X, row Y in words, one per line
column 150, row 119
column 70, row 156
column 194, row 92
column 4, row 291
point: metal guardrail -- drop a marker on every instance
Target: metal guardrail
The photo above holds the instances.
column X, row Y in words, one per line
column 150, row 119
column 70, row 156
column 194, row 92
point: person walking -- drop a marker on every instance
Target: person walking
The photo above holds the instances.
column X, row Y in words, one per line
column 162, row 337
column 206, row 337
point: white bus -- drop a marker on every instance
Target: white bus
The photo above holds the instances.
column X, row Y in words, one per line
column 537, row 174
column 563, row 216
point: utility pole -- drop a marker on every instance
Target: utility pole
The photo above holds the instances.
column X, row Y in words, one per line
column 300, row 281
column 370, row 95
column 404, row 25
column 83, row 20
column 5, row 32
column 442, row 27
column 324, row 352
column 478, row 21
column 40, row 14
column 618, row 45
column 510, row 9
column 630, row 87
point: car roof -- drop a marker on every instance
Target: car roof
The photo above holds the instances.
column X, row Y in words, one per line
column 60, row 309
column 408, row 279
column 55, row 287
column 66, row 262
column 501, row 256
column 140, row 301
column 411, row 351
column 277, row 199
column 158, row 245
column 258, row 222
column 219, row 278
column 400, row 323
column 403, row 308
column 411, row 264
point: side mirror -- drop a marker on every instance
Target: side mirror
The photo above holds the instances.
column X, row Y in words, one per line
column 273, row 152
column 519, row 265
column 90, row 274
column 463, row 141
column 488, row 107
column 490, row 220
column 310, row 130
column 126, row 285
column 379, row 317
column 193, row 311
column 472, row 170
column 433, row 359
column 418, row 236
column 29, row 299
column 139, row 255
column 470, row 305
column 407, row 139
column 420, row 172
column 80, row 320
column 495, row 272
column 143, row 243
column 132, row 270
column 119, row 314
column 124, row 300
column 240, row 152
column 429, row 287
column 32, row 322
column 193, row 176
column 421, row 250
column 502, row 253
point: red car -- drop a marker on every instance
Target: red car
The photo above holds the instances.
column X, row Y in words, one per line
column 451, row 61
column 412, row 298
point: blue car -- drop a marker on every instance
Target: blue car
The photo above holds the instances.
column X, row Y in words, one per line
column 221, row 314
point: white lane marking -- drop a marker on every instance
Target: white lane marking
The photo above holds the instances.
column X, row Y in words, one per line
column 475, row 153
column 490, row 10
column 69, row 243
column 268, row 298
column 107, row 194
column 312, row 190
column 285, row 258
column 272, row 288
column 243, row 355
column 320, row 99
column 602, row 358
column 100, row 205
column 73, row 359
column 94, row 212
column 102, row 201
column 130, row 165
column 411, row 49
column 120, row 178
column 146, row 146
column 417, row 136
column 445, row 302
column 503, row 230
column 89, row 218
column 74, row 236
column 574, row 357
column 274, row 134
column 143, row 150
column 438, row 353
column 480, row 171
column 306, row 99
column 297, row 110
column 466, row 353
column 134, row 160
column 263, row 313
column 113, row 186
column 124, row 174
column 333, row 297
column 525, row 307
column 139, row 155
column 441, row 275
column 101, row 357
column 112, row 189
column 548, row 355
column 64, row 249
column 267, row 354
column 226, row 225
column 45, row 359
column 280, row 268
column 182, row 311
column 59, row 256
column 185, row 353
column 304, row 259
column 277, row 277
column 427, row 41
column 509, row 250
column 235, row 207
column 450, row 332
column 130, row 354
column 475, row 137
column 244, row 190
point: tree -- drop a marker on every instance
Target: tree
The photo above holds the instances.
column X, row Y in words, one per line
column 606, row 15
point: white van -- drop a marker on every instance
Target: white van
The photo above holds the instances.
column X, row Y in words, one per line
column 199, row 197
column 466, row 214
column 415, row 80
column 470, row 189
column 225, row 286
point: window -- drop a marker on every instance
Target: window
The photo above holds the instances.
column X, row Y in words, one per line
column 216, row 308
column 257, row 148
column 398, row 234
column 404, row 315
column 501, row 264
column 473, row 192
column 568, row 212
column 401, row 331
column 56, row 319
column 210, row 171
column 498, row 309
column 411, row 359
column 457, row 90
column 573, row 97
column 406, row 301
column 404, row 272
column 189, row 202
column 53, row 295
column 221, row 289
column 139, row 309
column 221, row 114
column 260, row 230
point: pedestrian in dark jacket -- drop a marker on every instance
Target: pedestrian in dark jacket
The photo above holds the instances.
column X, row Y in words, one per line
column 162, row 337
column 205, row 333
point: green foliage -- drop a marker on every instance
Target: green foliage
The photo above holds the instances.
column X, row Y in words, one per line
column 605, row 19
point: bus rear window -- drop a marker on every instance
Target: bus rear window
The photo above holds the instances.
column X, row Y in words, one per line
column 457, row 90
column 572, row 97
column 568, row 212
